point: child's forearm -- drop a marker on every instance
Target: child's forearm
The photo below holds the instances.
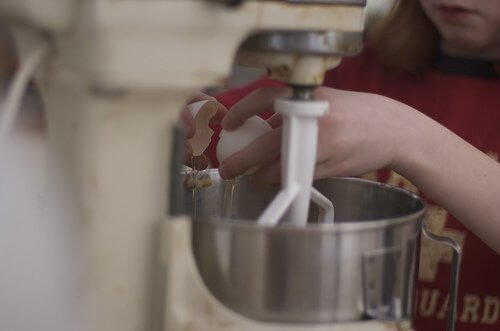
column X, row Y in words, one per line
column 457, row 176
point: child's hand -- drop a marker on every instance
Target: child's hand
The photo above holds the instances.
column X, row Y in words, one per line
column 361, row 132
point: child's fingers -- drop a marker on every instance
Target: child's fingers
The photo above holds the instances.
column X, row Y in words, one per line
column 256, row 102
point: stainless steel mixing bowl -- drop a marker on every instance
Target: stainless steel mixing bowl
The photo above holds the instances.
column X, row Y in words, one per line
column 363, row 266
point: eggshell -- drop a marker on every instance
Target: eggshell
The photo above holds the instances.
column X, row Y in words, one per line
column 234, row 141
column 202, row 112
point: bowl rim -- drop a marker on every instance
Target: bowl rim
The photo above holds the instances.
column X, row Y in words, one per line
column 366, row 225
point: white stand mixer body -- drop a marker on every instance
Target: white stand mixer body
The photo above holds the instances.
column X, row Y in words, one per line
column 118, row 74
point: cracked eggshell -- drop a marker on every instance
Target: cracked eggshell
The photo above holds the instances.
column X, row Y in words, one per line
column 234, row 141
column 202, row 112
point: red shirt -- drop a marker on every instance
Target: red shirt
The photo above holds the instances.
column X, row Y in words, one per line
column 469, row 105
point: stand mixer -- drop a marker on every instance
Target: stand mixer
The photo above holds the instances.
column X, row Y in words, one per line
column 115, row 77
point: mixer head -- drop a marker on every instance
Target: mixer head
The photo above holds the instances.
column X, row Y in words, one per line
column 298, row 57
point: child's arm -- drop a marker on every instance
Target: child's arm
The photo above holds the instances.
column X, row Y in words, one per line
column 364, row 132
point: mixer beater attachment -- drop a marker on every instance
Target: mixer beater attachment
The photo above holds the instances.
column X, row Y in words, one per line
column 298, row 156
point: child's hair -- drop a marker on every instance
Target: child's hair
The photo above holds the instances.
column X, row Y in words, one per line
column 405, row 40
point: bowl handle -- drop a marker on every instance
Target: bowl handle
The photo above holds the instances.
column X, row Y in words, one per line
column 455, row 271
